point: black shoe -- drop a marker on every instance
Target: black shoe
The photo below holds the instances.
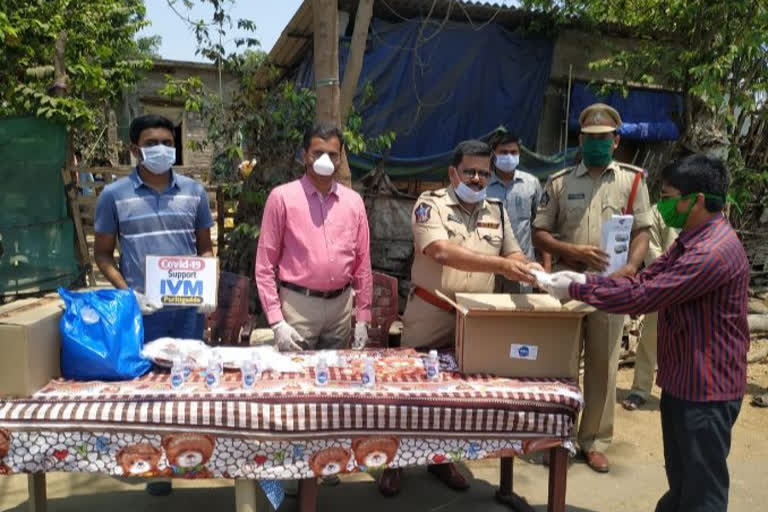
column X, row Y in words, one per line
column 159, row 488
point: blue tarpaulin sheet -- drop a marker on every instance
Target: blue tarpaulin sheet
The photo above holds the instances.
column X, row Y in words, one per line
column 435, row 85
column 646, row 114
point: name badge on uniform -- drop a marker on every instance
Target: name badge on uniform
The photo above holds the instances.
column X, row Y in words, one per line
column 453, row 218
column 576, row 197
column 422, row 213
column 489, row 225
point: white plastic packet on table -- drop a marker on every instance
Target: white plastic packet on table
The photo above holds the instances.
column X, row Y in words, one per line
column 162, row 351
column 270, row 358
column 332, row 358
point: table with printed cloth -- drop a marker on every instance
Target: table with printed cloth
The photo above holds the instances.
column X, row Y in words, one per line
column 287, row 428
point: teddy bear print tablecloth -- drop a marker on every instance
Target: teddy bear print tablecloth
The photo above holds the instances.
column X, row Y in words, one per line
column 286, row 427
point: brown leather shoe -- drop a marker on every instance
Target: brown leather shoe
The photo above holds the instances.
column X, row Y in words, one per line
column 597, row 461
column 449, row 475
column 389, row 482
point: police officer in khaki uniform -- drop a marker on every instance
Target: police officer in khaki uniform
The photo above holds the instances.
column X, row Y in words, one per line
column 661, row 238
column 461, row 240
column 568, row 225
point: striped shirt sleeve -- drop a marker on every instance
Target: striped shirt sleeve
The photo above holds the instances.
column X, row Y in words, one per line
column 693, row 274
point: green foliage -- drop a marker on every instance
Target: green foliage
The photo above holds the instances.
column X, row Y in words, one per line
column 102, row 56
column 715, row 53
column 253, row 124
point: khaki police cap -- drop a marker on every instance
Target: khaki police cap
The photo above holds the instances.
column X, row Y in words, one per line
column 599, row 118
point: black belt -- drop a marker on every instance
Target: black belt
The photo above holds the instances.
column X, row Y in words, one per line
column 332, row 294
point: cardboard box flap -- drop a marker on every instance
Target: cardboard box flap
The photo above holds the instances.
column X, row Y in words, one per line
column 29, row 311
column 467, row 303
column 508, row 302
column 578, row 307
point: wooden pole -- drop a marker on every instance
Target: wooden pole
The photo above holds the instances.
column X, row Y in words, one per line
column 60, row 78
column 326, row 59
column 69, row 173
column 326, row 66
column 355, row 59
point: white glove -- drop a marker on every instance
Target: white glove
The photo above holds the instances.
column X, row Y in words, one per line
column 147, row 306
column 206, row 309
column 560, row 283
column 361, row 336
column 286, row 337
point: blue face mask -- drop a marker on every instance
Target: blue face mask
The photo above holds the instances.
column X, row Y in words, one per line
column 469, row 195
column 507, row 163
column 158, row 159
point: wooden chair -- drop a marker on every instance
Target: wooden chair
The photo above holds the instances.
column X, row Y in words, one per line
column 229, row 323
column 383, row 310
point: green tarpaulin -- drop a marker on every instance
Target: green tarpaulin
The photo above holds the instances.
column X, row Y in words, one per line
column 37, row 249
column 435, row 167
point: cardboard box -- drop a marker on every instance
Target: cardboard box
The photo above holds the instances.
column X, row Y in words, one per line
column 529, row 335
column 30, row 344
column 182, row 280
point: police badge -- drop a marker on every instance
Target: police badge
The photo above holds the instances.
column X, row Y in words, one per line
column 422, row 213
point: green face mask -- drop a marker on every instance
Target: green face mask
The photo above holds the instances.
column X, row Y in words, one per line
column 668, row 209
column 597, row 152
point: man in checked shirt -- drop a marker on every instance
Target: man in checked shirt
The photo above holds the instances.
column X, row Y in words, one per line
column 313, row 251
column 699, row 287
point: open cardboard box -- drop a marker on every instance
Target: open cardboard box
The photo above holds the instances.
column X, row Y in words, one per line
column 527, row 335
column 30, row 344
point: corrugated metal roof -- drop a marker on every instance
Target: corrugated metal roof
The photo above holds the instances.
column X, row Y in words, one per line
column 297, row 35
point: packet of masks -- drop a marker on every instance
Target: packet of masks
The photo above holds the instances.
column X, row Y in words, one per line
column 616, row 235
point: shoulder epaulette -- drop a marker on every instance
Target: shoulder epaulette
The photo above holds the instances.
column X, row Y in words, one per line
column 492, row 199
column 630, row 167
column 437, row 193
column 560, row 174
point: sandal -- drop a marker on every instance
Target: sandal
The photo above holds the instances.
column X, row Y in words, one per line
column 760, row 400
column 633, row 401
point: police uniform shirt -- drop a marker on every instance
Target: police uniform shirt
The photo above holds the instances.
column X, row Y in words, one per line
column 438, row 215
column 574, row 205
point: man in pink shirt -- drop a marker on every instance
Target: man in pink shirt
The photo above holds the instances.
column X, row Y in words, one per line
column 313, row 252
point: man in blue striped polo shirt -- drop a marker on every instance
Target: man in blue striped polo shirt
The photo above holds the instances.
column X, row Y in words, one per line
column 153, row 211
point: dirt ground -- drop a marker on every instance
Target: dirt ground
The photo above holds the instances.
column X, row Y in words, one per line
column 640, row 431
column 635, row 482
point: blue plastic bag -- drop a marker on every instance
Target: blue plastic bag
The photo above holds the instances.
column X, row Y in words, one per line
column 102, row 334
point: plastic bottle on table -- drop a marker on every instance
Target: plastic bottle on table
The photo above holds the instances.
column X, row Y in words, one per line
column 177, row 373
column 248, row 373
column 212, row 372
column 432, row 365
column 188, row 366
column 369, row 373
column 219, row 363
column 258, row 364
column 321, row 371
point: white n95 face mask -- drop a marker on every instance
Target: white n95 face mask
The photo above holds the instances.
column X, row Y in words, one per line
column 324, row 166
column 469, row 195
column 158, row 159
column 507, row 163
